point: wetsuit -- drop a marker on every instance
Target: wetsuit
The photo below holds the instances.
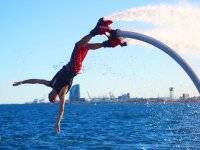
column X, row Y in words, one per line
column 65, row 76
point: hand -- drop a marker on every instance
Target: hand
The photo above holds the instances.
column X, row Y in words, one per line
column 57, row 127
column 17, row 83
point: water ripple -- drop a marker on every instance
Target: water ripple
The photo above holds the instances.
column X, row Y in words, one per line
column 106, row 127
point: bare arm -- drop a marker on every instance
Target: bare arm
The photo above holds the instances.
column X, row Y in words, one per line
column 32, row 81
column 62, row 107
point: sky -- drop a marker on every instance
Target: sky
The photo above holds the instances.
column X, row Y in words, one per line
column 37, row 38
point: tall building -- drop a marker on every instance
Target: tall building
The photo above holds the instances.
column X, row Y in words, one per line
column 185, row 96
column 171, row 94
column 74, row 93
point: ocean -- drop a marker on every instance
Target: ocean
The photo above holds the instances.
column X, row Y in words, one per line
column 100, row 127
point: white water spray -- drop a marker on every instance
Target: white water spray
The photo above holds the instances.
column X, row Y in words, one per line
column 176, row 25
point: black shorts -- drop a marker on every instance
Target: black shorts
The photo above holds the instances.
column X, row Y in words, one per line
column 61, row 79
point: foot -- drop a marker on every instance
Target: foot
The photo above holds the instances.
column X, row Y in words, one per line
column 114, row 40
column 102, row 27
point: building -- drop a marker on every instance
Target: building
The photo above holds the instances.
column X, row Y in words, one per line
column 124, row 97
column 38, row 101
column 74, row 93
column 171, row 95
column 185, row 96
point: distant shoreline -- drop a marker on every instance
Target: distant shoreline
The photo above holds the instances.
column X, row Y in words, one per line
column 143, row 102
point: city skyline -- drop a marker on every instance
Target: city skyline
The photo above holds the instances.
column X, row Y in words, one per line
column 38, row 38
column 75, row 96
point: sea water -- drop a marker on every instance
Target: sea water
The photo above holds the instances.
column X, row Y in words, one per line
column 106, row 127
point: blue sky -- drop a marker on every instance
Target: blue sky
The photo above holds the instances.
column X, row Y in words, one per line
column 37, row 38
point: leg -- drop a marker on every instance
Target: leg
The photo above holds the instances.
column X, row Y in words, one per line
column 94, row 46
column 114, row 40
column 85, row 39
column 102, row 27
column 33, row 81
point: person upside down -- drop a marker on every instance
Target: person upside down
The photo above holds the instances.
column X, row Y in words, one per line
column 62, row 81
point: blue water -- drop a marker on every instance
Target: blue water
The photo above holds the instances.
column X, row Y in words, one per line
column 106, row 127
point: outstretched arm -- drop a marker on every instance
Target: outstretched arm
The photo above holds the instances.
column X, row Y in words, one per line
column 62, row 94
column 32, row 81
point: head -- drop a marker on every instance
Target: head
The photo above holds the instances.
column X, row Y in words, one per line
column 53, row 96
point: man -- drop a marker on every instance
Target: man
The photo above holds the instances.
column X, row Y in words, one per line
column 62, row 81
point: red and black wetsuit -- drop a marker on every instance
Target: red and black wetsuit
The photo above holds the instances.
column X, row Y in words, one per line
column 68, row 72
column 77, row 57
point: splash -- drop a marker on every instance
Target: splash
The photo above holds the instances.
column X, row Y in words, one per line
column 176, row 25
